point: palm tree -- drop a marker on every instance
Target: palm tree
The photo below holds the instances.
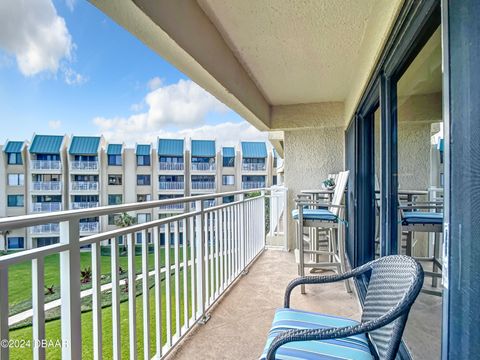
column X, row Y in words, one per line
column 125, row 220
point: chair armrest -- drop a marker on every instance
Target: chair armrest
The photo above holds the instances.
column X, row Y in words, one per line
column 317, row 203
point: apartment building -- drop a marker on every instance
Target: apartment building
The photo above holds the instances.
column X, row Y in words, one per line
column 53, row 173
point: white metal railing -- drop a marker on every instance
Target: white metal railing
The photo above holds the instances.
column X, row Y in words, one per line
column 278, row 219
column 84, row 165
column 203, row 185
column 84, row 186
column 46, row 186
column 253, row 184
column 172, row 207
column 171, row 185
column 89, row 227
column 169, row 166
column 210, row 249
column 45, row 229
column 46, row 206
column 84, row 205
column 203, row 166
column 253, row 166
column 45, row 165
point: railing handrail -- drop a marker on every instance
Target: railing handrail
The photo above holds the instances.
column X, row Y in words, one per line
column 16, row 222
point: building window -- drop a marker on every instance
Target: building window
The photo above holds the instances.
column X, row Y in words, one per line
column 115, row 160
column 15, row 243
column 228, row 179
column 114, row 199
column 15, row 200
column 144, row 197
column 48, row 157
column 228, row 199
column 228, row 161
column 139, row 237
column 143, row 180
column 114, row 179
column 16, row 179
column 274, row 180
column 87, row 158
column 143, row 218
column 15, row 159
column 143, row 160
column 113, row 219
column 46, row 241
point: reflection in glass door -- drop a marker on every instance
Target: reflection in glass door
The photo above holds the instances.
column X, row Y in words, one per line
column 420, row 189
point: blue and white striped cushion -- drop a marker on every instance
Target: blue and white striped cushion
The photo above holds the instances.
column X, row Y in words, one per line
column 315, row 214
column 355, row 347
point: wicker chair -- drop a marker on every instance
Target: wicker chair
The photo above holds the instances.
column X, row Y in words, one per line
column 395, row 282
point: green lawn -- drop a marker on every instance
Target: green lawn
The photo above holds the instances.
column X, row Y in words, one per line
column 20, row 275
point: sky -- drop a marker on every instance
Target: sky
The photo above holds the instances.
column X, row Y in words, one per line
column 67, row 68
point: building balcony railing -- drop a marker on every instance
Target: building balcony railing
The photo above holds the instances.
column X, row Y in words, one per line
column 204, row 166
column 172, row 207
column 206, row 273
column 89, row 227
column 253, row 167
column 46, row 186
column 253, row 184
column 45, row 165
column 84, row 165
column 168, row 166
column 46, row 206
column 84, row 205
column 171, row 185
column 45, row 229
column 203, row 185
column 84, row 186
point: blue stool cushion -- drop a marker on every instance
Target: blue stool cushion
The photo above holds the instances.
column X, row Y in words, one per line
column 422, row 217
column 354, row 347
column 315, row 214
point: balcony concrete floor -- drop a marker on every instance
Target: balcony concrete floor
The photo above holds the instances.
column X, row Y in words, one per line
column 240, row 322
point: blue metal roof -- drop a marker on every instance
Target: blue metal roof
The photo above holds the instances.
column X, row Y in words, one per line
column 114, row 149
column 254, row 149
column 84, row 145
column 46, row 144
column 143, row 150
column 170, row 147
column 203, row 148
column 228, row 152
column 13, row 147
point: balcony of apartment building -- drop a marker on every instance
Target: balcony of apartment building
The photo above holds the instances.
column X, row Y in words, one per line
column 203, row 183
column 254, row 156
column 84, row 184
column 253, row 182
column 171, row 155
column 84, row 201
column 170, row 207
column 45, row 229
column 83, row 154
column 46, row 203
column 171, row 182
column 203, row 154
column 89, row 226
column 45, row 154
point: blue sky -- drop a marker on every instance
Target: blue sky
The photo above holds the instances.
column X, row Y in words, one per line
column 86, row 75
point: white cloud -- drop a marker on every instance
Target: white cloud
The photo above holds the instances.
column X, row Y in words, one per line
column 72, row 77
column 35, row 35
column 154, row 83
column 71, row 4
column 54, row 124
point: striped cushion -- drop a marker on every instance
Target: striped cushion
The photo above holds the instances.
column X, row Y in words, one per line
column 315, row 214
column 422, row 217
column 355, row 347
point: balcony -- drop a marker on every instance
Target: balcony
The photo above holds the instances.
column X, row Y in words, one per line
column 254, row 167
column 174, row 207
column 46, row 186
column 253, row 185
column 195, row 280
column 204, row 166
column 84, row 205
column 84, row 165
column 171, row 185
column 81, row 186
column 203, row 185
column 45, row 229
column 46, row 206
column 89, row 227
column 45, row 165
column 169, row 166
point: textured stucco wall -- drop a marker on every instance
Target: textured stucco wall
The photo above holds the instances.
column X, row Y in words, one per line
column 310, row 155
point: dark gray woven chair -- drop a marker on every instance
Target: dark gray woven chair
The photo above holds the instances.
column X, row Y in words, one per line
column 395, row 282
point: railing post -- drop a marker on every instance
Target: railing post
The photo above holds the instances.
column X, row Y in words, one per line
column 242, row 234
column 200, row 245
column 262, row 217
column 71, row 325
column 4, row 350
